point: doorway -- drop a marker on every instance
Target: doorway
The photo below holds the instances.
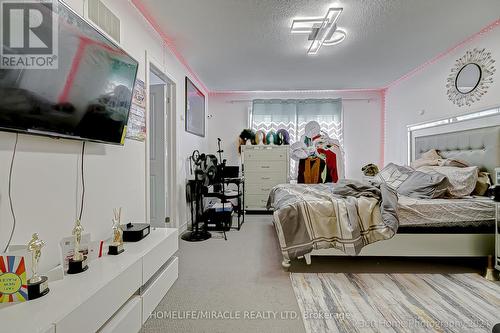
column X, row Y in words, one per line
column 160, row 89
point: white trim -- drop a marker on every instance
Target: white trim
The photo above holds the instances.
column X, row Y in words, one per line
column 425, row 245
column 467, row 121
column 170, row 133
column 183, row 227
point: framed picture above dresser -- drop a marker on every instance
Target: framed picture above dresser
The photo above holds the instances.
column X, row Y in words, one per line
column 264, row 167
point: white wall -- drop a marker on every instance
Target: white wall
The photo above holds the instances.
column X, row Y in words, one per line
column 362, row 123
column 426, row 92
column 45, row 190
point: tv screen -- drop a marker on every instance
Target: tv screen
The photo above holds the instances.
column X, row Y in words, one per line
column 86, row 97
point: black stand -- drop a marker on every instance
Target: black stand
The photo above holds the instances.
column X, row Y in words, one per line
column 196, row 234
column 221, row 177
column 38, row 289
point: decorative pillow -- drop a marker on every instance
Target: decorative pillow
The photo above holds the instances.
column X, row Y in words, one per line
column 431, row 155
column 422, row 185
column 432, row 158
column 423, row 162
column 393, row 175
column 462, row 180
column 483, row 183
column 453, row 163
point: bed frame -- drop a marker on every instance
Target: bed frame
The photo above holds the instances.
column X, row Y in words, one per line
column 473, row 137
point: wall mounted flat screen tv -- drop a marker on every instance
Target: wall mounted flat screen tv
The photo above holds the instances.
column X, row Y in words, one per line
column 88, row 95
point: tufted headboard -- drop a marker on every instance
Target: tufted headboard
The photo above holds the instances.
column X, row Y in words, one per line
column 480, row 146
column 472, row 137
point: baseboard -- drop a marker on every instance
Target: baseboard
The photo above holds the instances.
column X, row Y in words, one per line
column 183, row 227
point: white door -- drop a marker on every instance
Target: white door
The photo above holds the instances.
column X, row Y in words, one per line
column 157, row 154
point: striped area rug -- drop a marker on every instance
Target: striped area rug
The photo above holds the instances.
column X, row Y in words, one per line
column 337, row 302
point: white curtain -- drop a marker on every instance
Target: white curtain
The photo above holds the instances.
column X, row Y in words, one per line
column 293, row 115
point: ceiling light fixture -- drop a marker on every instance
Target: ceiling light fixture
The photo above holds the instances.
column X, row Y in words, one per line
column 321, row 31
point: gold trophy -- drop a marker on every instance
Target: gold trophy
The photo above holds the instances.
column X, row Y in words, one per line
column 38, row 286
column 117, row 246
column 78, row 263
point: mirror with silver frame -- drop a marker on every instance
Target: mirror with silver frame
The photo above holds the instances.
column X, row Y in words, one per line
column 468, row 78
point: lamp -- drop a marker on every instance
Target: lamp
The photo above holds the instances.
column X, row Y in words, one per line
column 321, row 31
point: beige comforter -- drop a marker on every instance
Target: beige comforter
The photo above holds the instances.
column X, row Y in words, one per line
column 346, row 216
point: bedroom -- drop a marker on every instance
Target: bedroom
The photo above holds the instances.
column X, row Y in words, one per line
column 326, row 166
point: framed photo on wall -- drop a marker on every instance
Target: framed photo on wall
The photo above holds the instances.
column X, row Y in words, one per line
column 195, row 109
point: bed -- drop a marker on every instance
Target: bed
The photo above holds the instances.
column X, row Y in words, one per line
column 439, row 227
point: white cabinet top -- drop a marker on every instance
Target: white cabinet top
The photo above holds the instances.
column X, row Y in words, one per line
column 68, row 294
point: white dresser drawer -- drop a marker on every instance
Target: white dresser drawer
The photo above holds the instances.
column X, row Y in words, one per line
column 270, row 178
column 159, row 255
column 256, row 201
column 127, row 320
column 102, row 305
column 260, row 189
column 157, row 289
column 265, row 166
column 265, row 154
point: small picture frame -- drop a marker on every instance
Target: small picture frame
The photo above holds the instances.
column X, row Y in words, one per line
column 195, row 109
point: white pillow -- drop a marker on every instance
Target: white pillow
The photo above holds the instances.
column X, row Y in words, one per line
column 462, row 180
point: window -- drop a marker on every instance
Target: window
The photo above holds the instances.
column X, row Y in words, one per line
column 293, row 115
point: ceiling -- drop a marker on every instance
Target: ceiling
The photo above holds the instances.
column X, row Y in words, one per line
column 247, row 45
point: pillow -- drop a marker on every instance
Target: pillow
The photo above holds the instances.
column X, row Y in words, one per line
column 483, row 183
column 423, row 162
column 431, row 155
column 453, row 163
column 423, row 185
column 432, row 158
column 462, row 180
column 393, row 175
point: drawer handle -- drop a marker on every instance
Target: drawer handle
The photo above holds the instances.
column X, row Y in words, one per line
column 265, row 189
column 266, row 178
column 265, row 166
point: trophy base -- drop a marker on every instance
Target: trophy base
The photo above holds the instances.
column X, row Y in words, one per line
column 39, row 288
column 77, row 266
column 115, row 249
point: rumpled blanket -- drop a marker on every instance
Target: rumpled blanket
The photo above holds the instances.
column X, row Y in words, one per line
column 347, row 216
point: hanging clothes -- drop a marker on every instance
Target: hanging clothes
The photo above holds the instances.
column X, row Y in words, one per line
column 339, row 154
column 311, row 170
column 331, row 163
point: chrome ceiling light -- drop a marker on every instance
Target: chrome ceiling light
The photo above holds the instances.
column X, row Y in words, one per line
column 321, row 31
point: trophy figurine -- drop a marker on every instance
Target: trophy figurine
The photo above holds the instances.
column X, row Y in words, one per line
column 38, row 286
column 117, row 246
column 78, row 263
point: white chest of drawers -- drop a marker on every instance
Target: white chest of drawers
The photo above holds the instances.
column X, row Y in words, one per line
column 264, row 167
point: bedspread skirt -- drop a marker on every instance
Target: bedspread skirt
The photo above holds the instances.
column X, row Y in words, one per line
column 347, row 216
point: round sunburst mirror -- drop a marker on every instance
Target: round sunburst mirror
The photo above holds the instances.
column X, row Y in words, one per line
column 471, row 77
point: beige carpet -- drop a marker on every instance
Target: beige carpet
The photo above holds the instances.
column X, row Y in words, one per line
column 245, row 274
column 240, row 279
column 336, row 302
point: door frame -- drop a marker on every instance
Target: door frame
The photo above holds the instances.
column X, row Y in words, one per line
column 170, row 135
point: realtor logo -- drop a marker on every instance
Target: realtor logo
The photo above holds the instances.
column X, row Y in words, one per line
column 29, row 35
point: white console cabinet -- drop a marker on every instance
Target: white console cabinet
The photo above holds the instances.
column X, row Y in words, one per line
column 116, row 293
